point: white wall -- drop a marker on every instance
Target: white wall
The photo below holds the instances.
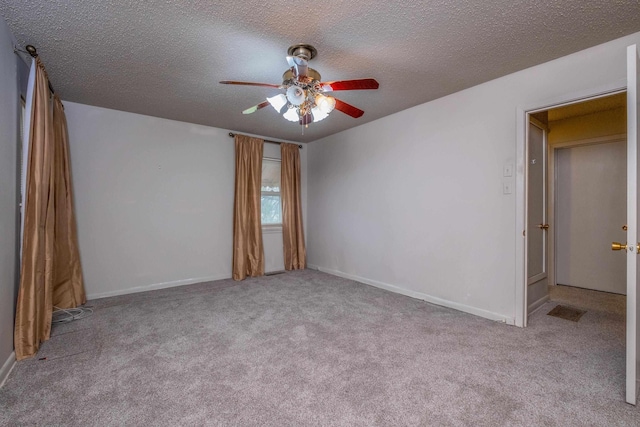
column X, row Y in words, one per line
column 414, row 201
column 9, row 131
column 154, row 200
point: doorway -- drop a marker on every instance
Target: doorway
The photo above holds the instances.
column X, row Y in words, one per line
column 583, row 199
column 576, row 197
column 630, row 248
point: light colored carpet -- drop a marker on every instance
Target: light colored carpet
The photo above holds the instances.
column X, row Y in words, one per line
column 587, row 299
column 307, row 348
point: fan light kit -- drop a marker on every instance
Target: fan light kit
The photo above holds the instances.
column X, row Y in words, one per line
column 304, row 99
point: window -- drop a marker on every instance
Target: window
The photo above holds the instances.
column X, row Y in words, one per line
column 270, row 204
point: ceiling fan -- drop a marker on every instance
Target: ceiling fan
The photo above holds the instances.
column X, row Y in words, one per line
column 304, row 99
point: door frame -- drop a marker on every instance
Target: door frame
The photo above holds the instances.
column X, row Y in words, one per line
column 523, row 116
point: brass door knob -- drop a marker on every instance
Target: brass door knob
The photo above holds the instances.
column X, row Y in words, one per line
column 615, row 246
column 543, row 226
column 624, row 227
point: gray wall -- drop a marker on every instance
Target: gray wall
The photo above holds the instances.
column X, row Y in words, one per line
column 154, row 201
column 11, row 69
column 414, row 202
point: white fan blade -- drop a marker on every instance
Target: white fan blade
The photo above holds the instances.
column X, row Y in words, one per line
column 255, row 108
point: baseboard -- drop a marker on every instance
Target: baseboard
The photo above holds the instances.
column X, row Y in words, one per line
column 419, row 295
column 7, row 367
column 156, row 286
column 536, row 305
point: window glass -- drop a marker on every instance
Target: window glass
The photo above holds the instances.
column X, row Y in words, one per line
column 270, row 203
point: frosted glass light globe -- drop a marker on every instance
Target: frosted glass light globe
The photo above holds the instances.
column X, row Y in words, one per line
column 318, row 114
column 326, row 104
column 291, row 115
column 295, row 95
column 277, row 102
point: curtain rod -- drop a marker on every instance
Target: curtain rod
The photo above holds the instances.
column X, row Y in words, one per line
column 231, row 134
column 31, row 50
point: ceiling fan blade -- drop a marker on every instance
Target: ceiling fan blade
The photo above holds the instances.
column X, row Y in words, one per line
column 306, row 119
column 358, row 84
column 256, row 107
column 300, row 65
column 231, row 82
column 348, row 109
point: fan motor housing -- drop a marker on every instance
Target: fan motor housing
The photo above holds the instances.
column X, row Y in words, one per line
column 303, row 50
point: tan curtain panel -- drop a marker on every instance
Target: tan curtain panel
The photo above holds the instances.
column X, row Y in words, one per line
column 68, row 286
column 295, row 255
column 248, row 252
column 50, row 271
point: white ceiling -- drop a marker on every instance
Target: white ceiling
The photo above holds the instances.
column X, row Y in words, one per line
column 165, row 58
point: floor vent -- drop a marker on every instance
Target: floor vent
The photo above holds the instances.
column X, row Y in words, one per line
column 567, row 313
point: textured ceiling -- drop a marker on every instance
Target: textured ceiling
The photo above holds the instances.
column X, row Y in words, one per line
column 165, row 58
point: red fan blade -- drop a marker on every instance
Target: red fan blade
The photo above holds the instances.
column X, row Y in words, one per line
column 231, row 82
column 350, row 85
column 256, row 107
column 306, row 119
column 348, row 109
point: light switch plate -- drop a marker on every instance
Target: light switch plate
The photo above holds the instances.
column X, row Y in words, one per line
column 507, row 170
column 507, row 187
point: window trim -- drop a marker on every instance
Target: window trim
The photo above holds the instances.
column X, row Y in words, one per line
column 271, row 228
